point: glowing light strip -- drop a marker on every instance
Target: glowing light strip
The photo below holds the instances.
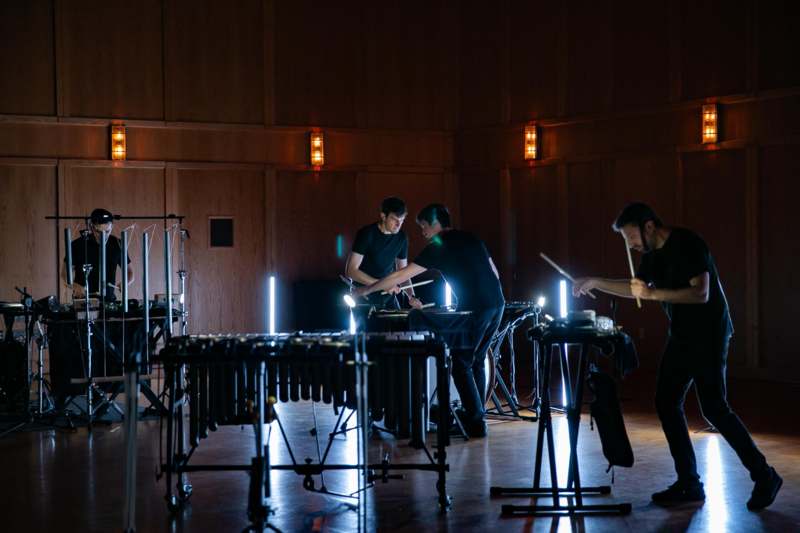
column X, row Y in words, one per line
column 562, row 305
column 271, row 315
column 448, row 295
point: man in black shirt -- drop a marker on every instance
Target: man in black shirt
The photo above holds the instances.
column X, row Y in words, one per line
column 87, row 251
column 379, row 249
column 466, row 265
column 678, row 270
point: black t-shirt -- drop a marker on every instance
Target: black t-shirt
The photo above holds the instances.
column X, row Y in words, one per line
column 379, row 250
column 92, row 251
column 464, row 262
column 683, row 256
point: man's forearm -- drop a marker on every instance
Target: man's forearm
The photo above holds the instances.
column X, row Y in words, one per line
column 617, row 287
column 361, row 277
column 395, row 278
column 689, row 295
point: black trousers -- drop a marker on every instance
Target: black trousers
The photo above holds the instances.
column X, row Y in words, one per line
column 469, row 373
column 703, row 364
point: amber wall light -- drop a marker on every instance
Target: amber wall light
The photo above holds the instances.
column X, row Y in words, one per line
column 710, row 123
column 317, row 149
column 118, row 147
column 531, row 142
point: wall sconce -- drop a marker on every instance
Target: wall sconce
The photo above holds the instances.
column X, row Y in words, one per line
column 531, row 142
column 118, row 146
column 710, row 123
column 317, row 149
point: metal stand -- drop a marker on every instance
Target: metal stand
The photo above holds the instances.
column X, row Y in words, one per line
column 573, row 487
column 507, row 398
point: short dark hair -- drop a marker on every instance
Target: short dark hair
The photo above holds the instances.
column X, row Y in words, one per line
column 393, row 204
column 636, row 213
column 433, row 212
column 101, row 216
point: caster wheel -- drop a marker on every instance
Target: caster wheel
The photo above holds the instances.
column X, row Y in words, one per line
column 174, row 504
column 184, row 492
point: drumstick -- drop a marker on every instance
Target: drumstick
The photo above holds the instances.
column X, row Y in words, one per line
column 630, row 264
column 563, row 272
column 346, row 280
column 404, row 287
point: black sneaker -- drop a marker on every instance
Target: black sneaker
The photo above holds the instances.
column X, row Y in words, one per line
column 477, row 430
column 679, row 493
column 765, row 490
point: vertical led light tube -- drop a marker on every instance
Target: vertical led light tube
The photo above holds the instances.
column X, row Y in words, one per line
column 562, row 305
column 271, row 312
column 448, row 295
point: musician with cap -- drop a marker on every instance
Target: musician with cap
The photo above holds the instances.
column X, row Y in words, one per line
column 87, row 251
column 678, row 270
column 466, row 265
column 379, row 249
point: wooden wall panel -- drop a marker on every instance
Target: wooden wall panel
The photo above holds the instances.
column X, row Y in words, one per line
column 482, row 48
column 538, row 222
column 713, row 47
column 311, row 216
column 27, row 63
column 110, row 59
column 124, row 190
column 589, row 63
column 227, row 287
column 778, row 38
column 480, row 206
column 640, row 54
column 28, row 241
column 533, row 48
column 319, row 54
column 409, row 68
column 714, row 207
column 214, row 61
column 586, row 218
column 779, row 246
column 311, row 213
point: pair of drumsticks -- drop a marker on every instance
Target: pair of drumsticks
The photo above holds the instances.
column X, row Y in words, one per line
column 349, row 282
column 566, row 274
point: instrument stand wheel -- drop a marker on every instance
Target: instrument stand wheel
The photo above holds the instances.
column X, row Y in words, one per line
column 174, row 504
column 184, row 492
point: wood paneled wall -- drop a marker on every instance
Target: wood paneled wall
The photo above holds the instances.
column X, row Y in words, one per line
column 218, row 101
column 426, row 100
column 617, row 91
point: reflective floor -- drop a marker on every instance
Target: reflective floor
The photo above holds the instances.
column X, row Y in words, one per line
column 57, row 481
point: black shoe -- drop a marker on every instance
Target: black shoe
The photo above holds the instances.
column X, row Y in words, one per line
column 477, row 430
column 679, row 493
column 765, row 490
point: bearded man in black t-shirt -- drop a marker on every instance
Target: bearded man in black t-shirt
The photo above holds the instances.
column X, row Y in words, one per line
column 464, row 262
column 379, row 249
column 677, row 269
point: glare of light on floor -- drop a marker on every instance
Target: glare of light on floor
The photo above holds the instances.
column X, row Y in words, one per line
column 352, row 323
column 714, row 480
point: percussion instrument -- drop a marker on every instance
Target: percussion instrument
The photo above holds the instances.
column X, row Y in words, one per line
column 233, row 379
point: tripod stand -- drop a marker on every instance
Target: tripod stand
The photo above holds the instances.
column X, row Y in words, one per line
column 515, row 314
